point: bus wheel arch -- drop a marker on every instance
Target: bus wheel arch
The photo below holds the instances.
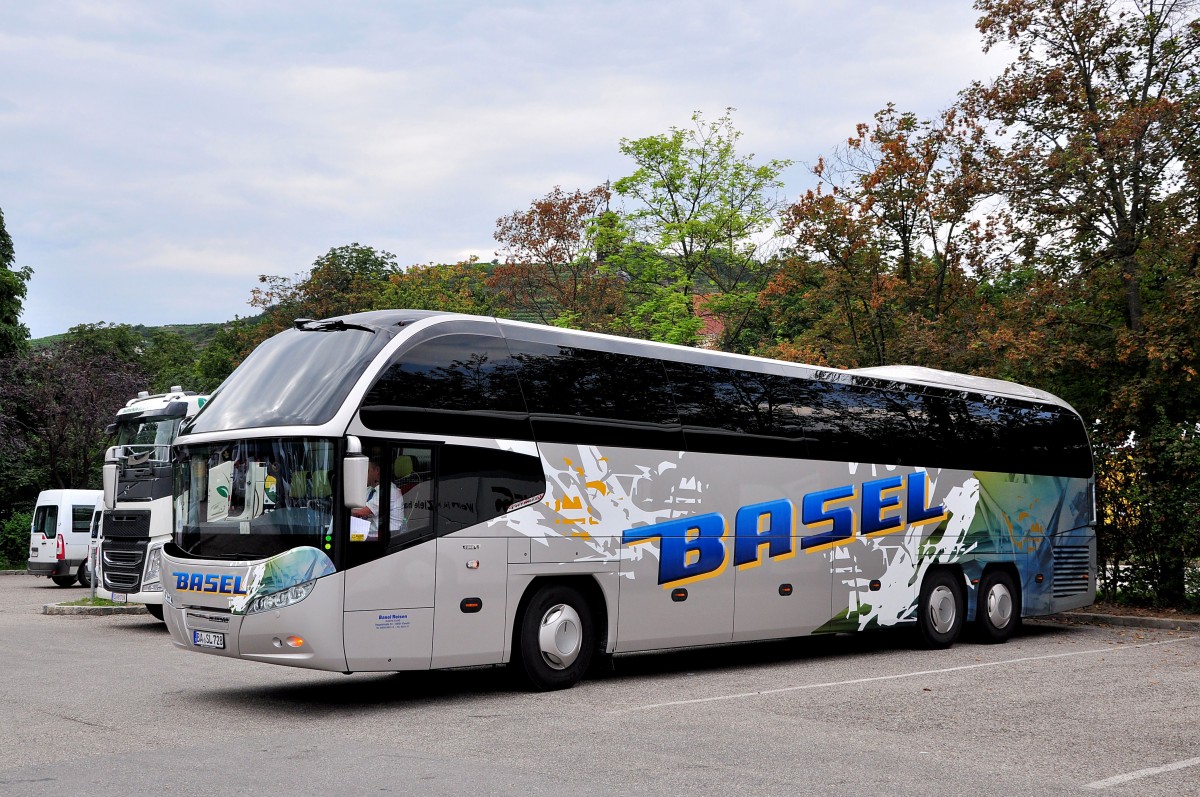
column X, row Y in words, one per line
column 941, row 607
column 998, row 604
column 559, row 625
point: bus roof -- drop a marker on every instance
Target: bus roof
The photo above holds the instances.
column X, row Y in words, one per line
column 389, row 320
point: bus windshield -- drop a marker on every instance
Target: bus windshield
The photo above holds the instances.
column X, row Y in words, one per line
column 150, row 439
column 252, row 499
column 297, row 378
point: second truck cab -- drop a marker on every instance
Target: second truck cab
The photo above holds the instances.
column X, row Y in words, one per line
column 137, row 496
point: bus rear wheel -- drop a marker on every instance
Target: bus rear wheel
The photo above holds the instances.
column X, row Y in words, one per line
column 999, row 610
column 940, row 609
column 556, row 638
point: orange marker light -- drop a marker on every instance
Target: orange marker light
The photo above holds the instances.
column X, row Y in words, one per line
column 295, row 642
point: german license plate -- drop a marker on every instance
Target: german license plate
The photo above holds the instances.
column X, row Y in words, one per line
column 119, row 597
column 208, row 639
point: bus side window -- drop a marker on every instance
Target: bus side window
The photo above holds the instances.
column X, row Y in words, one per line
column 411, row 492
column 476, row 485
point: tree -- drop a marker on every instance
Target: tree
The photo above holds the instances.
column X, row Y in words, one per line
column 169, row 359
column 58, row 401
column 552, row 269
column 119, row 342
column 702, row 212
column 13, row 286
column 883, row 248
column 455, row 287
column 346, row 279
column 1098, row 115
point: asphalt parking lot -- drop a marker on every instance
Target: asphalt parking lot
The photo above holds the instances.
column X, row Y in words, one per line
column 106, row 706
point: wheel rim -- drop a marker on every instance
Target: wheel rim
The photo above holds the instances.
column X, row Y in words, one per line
column 999, row 606
column 942, row 609
column 559, row 636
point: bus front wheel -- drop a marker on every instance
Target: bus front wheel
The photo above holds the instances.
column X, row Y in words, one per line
column 940, row 609
column 556, row 638
column 999, row 610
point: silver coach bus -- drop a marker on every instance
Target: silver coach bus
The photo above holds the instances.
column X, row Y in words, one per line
column 404, row 490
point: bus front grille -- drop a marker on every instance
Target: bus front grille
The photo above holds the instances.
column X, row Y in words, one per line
column 1072, row 570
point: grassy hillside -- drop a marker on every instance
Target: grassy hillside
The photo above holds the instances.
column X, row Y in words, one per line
column 199, row 334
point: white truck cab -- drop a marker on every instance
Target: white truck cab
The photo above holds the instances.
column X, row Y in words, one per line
column 60, row 533
column 137, row 496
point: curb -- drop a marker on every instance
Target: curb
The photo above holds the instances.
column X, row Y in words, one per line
column 1125, row 621
column 94, row 611
column 12, row 572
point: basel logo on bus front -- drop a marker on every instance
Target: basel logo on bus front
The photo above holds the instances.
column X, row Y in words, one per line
column 227, row 584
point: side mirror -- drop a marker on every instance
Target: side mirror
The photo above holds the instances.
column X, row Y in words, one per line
column 110, row 485
column 354, row 482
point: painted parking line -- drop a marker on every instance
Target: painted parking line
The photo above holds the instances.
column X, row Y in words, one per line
column 1117, row 780
column 897, row 676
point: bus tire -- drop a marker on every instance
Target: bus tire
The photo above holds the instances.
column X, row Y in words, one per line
column 940, row 609
column 155, row 610
column 999, row 611
column 63, row 581
column 84, row 575
column 556, row 638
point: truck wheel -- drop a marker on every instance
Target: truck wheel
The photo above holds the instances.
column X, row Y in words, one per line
column 940, row 609
column 555, row 638
column 63, row 581
column 84, row 575
column 155, row 610
column 999, row 612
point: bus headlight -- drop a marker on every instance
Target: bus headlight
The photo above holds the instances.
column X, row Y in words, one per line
column 277, row 600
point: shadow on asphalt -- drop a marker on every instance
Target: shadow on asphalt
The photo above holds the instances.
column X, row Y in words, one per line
column 429, row 688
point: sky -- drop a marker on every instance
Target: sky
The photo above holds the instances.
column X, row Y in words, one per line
column 157, row 157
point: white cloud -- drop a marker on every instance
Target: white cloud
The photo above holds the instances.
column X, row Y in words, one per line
column 158, row 157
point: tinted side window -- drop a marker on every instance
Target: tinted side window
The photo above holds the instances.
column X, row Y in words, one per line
column 81, row 518
column 579, row 395
column 478, row 484
column 453, row 384
column 728, row 411
column 45, row 521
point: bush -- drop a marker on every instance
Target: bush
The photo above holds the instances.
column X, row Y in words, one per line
column 14, row 541
column 1148, row 496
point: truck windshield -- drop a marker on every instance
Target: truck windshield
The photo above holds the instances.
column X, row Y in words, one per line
column 148, row 440
column 251, row 499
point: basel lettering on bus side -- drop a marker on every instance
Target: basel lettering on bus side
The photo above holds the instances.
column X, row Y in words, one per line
column 694, row 548
column 213, row 583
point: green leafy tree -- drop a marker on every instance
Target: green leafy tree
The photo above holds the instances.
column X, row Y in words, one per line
column 119, row 342
column 454, row 287
column 701, row 212
column 346, row 279
column 14, row 540
column 169, row 359
column 13, row 286
column 224, row 353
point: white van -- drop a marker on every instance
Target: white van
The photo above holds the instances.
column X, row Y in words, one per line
column 61, row 534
